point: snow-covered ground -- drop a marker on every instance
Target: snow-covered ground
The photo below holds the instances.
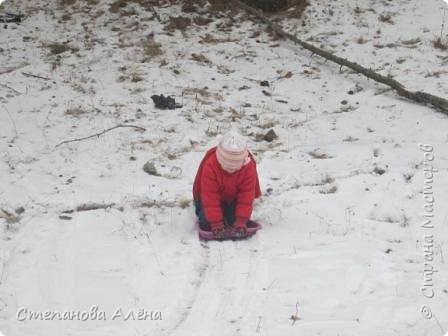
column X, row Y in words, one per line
column 345, row 184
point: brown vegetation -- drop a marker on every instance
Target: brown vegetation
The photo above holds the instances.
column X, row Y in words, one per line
column 439, row 44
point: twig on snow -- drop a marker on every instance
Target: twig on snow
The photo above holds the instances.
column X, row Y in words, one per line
column 27, row 74
column 417, row 96
column 296, row 316
column 99, row 134
column 156, row 14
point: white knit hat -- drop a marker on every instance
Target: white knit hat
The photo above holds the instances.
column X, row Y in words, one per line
column 232, row 151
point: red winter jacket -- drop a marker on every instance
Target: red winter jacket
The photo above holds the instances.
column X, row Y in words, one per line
column 213, row 185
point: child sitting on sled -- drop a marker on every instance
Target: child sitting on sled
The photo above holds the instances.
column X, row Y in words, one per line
column 225, row 187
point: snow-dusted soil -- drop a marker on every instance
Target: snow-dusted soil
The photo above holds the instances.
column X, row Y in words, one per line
column 342, row 248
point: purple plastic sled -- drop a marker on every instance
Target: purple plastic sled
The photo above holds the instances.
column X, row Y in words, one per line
column 252, row 227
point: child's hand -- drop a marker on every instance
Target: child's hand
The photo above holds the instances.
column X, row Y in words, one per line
column 239, row 229
column 219, row 233
column 239, row 232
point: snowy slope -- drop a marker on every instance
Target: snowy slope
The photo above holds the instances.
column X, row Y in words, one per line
column 342, row 246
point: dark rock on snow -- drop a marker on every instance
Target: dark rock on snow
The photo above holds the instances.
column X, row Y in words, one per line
column 270, row 136
column 164, row 103
column 149, row 168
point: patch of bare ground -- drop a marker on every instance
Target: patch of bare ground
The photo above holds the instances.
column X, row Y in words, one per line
column 178, row 23
column 438, row 43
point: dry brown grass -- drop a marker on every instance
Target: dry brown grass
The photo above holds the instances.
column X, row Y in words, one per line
column 65, row 3
column 272, row 33
column 361, row 40
column 191, row 6
column 327, row 179
column 411, row 42
column 439, row 44
column 436, row 74
column 200, row 58
column 202, row 21
column 135, row 77
column 318, row 154
column 178, row 23
column 328, row 189
column 56, row 63
column 210, row 39
column 194, row 91
column 82, row 89
column 268, row 5
column 202, row 95
column 57, row 48
column 151, row 48
column 75, row 111
column 118, row 5
column 221, row 6
column 350, row 139
column 386, row 18
column 358, row 10
column 292, row 8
